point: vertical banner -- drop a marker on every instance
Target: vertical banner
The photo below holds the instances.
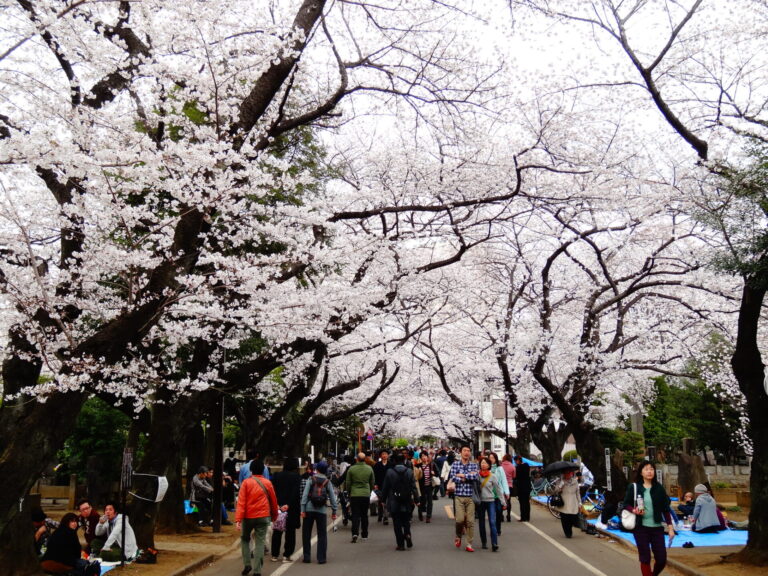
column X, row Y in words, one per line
column 608, row 482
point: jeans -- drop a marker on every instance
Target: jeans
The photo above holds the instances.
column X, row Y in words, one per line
column 488, row 508
column 359, row 506
column 321, row 520
column 425, row 503
column 651, row 539
column 401, row 523
column 259, row 527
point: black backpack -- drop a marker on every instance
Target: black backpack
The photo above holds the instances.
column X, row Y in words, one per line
column 317, row 492
column 401, row 491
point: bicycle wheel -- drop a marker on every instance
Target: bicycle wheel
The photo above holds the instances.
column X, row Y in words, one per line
column 552, row 510
column 549, row 489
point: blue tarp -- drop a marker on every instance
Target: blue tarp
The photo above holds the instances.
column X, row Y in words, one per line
column 723, row 538
column 531, row 462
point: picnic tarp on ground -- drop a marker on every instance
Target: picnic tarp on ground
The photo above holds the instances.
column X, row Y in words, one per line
column 723, row 538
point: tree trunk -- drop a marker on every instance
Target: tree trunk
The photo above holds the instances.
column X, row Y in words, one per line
column 592, row 453
column 748, row 368
column 30, row 434
column 549, row 440
column 171, row 426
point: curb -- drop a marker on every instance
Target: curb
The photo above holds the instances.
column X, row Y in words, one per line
column 676, row 564
column 200, row 562
column 194, row 565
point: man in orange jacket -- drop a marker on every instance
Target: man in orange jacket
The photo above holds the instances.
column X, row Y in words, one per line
column 256, row 508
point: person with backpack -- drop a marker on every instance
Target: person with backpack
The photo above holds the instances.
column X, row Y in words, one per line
column 317, row 492
column 359, row 483
column 399, row 493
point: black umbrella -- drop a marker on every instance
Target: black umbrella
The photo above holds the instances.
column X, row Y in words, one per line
column 561, row 466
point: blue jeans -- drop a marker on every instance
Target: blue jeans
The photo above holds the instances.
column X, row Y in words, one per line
column 488, row 508
column 321, row 520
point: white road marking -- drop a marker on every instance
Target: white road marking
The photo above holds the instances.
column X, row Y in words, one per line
column 563, row 549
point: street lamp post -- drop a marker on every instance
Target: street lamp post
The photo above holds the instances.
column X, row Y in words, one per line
column 506, row 422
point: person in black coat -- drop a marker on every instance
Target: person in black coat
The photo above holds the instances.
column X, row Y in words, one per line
column 63, row 553
column 523, row 482
column 288, row 491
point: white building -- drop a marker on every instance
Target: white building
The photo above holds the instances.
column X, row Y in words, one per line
column 492, row 412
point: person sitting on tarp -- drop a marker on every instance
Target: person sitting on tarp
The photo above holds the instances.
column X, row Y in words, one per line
column 705, row 517
column 109, row 537
column 685, row 508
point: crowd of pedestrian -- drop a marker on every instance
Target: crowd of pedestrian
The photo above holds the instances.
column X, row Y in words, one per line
column 392, row 487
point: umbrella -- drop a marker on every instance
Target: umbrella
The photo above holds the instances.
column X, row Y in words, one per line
column 561, row 466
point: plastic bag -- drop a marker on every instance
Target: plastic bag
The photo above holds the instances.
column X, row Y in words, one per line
column 282, row 519
column 374, row 497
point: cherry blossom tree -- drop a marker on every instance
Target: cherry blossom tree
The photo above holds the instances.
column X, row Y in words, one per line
column 701, row 74
column 143, row 216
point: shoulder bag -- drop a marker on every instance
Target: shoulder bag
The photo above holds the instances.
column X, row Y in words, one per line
column 629, row 519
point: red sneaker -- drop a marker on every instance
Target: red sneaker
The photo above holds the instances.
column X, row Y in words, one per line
column 457, row 542
column 469, row 549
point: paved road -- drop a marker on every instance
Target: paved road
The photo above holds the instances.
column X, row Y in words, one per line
column 536, row 548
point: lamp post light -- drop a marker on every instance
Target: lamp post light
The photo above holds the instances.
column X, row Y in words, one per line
column 506, row 422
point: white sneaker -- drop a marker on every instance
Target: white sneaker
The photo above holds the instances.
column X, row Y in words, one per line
column 287, row 560
column 275, row 559
column 600, row 526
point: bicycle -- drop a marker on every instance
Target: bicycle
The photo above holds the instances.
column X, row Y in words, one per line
column 593, row 501
column 543, row 486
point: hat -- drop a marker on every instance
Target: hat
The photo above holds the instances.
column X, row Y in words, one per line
column 700, row 489
column 322, row 467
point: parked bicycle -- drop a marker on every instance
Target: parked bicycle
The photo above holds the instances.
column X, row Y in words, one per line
column 592, row 502
column 542, row 485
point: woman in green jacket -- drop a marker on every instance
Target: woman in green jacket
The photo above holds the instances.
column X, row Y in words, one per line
column 648, row 499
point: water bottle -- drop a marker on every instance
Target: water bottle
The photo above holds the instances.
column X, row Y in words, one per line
column 640, row 504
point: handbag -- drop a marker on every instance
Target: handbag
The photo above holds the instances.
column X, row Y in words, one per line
column 556, row 500
column 435, row 481
column 279, row 524
column 450, row 487
column 629, row 519
column 476, row 489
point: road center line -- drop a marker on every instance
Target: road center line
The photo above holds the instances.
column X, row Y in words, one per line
column 563, row 549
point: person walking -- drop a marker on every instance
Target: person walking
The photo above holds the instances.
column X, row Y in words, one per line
column 463, row 474
column 256, row 510
column 648, row 499
column 359, row 482
column 427, row 487
column 503, row 495
column 509, row 472
column 523, row 481
column 287, row 484
column 399, row 494
column 317, row 492
column 569, row 511
column 379, row 473
column 490, row 489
